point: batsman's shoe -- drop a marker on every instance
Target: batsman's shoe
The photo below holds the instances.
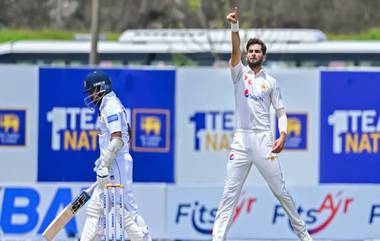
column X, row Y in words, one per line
column 144, row 228
column 90, row 229
column 134, row 232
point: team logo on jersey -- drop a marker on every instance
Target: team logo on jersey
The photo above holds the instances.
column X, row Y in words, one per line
column 12, row 127
column 246, row 77
column 112, row 118
column 263, row 87
column 251, row 96
column 246, row 92
column 297, row 131
column 151, row 130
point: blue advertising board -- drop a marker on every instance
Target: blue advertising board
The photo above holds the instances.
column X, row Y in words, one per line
column 68, row 145
column 12, row 127
column 350, row 127
column 297, row 137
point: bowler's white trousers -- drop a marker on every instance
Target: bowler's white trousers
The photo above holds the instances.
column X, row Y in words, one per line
column 253, row 147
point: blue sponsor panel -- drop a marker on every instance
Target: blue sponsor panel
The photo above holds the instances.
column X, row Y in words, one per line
column 150, row 94
column 68, row 142
column 350, row 127
column 12, row 127
column 151, row 130
column 297, row 131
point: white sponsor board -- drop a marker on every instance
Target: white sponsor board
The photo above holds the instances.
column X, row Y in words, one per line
column 19, row 94
column 152, row 202
column 205, row 122
column 335, row 212
column 301, row 92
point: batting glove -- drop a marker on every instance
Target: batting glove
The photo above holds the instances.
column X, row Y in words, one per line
column 102, row 176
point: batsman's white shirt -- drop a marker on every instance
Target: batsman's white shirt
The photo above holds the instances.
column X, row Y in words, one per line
column 113, row 118
column 254, row 94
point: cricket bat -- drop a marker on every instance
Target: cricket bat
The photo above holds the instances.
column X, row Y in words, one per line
column 67, row 213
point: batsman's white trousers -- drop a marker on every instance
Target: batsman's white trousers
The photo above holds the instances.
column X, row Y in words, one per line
column 252, row 147
column 120, row 173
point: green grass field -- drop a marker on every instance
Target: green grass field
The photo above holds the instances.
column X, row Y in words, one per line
column 372, row 34
column 50, row 34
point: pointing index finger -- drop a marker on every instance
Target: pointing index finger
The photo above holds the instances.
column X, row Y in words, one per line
column 236, row 12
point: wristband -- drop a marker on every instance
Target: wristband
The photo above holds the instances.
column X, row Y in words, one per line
column 235, row 27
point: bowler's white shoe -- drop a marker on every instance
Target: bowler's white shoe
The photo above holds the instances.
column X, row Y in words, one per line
column 305, row 237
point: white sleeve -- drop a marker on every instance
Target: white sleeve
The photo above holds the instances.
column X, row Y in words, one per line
column 282, row 121
column 112, row 115
column 110, row 154
column 276, row 97
column 237, row 71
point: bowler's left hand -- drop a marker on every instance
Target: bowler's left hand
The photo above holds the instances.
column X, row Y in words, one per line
column 279, row 143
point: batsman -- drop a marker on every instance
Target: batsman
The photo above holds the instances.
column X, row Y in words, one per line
column 115, row 163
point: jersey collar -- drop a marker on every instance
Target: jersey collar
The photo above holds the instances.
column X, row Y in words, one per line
column 261, row 73
column 104, row 99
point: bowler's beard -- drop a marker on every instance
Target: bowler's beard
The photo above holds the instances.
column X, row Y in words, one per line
column 255, row 64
